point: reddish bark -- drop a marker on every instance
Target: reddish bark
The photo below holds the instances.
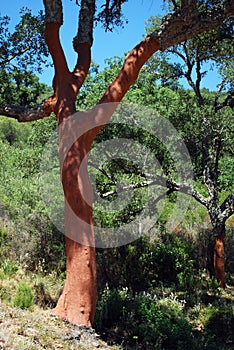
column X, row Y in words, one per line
column 219, row 264
column 130, row 70
column 77, row 302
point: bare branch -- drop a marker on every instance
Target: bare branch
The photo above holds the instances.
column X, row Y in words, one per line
column 55, row 48
column 227, row 207
column 158, row 180
column 130, row 70
column 25, row 114
column 189, row 22
column 54, row 19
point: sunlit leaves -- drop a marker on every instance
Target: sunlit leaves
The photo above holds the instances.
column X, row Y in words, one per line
column 25, row 47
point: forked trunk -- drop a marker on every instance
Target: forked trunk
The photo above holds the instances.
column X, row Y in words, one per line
column 78, row 300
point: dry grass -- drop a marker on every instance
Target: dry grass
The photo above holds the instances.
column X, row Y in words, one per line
column 38, row 329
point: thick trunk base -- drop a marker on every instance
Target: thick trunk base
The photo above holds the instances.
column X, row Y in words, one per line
column 77, row 303
column 219, row 263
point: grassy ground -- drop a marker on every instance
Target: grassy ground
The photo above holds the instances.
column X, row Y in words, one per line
column 38, row 329
column 26, row 320
column 27, row 323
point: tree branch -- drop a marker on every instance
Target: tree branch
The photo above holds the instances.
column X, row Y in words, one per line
column 85, row 23
column 55, row 48
column 19, row 53
column 25, row 114
column 171, row 185
column 198, row 80
column 130, row 70
column 189, row 22
column 229, row 101
column 227, row 207
column 54, row 20
column 83, row 41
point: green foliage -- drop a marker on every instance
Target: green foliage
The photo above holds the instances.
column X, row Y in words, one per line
column 13, row 132
column 110, row 14
column 163, row 320
column 226, row 169
column 3, row 239
column 21, row 88
column 25, row 47
column 161, row 323
column 29, row 236
column 174, row 259
column 221, row 324
column 41, row 132
column 23, row 52
column 8, row 267
column 143, row 264
column 217, row 320
column 24, row 298
column 157, row 323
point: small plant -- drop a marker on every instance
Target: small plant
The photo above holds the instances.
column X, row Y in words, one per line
column 9, row 268
column 24, row 298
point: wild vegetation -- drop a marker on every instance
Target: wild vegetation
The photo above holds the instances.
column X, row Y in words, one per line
column 160, row 291
column 153, row 293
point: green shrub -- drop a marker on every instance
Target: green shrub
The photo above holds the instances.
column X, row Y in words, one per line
column 143, row 265
column 24, row 298
column 174, row 262
column 161, row 323
column 157, row 323
column 221, row 324
column 111, row 307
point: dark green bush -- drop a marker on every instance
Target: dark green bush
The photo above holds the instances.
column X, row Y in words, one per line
column 221, row 325
column 156, row 323
column 143, row 265
column 161, row 324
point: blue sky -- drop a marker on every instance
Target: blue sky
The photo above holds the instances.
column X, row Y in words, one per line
column 106, row 45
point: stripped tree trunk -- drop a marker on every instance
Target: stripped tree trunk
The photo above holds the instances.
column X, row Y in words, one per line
column 219, row 262
column 77, row 302
column 219, row 257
